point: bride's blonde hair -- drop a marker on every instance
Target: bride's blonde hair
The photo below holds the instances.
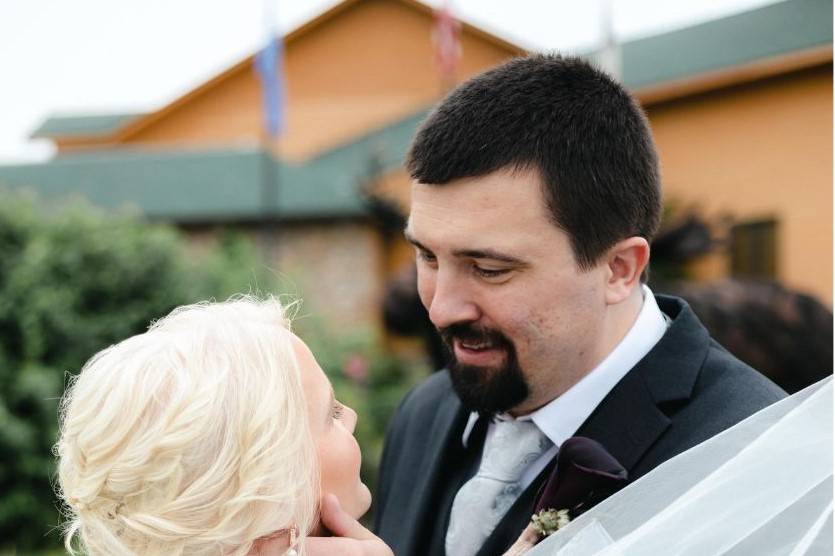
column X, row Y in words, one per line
column 189, row 439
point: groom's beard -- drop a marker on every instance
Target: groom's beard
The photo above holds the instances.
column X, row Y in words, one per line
column 486, row 390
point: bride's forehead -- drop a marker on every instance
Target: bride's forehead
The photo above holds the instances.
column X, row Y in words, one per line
column 311, row 372
column 303, row 354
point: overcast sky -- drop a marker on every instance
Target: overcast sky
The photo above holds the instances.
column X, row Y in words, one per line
column 101, row 56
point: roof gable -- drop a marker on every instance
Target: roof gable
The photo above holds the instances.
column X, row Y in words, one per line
column 333, row 93
column 749, row 45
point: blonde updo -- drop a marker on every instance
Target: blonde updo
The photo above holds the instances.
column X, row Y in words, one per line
column 189, row 439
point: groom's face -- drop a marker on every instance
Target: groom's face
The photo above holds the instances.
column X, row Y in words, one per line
column 499, row 279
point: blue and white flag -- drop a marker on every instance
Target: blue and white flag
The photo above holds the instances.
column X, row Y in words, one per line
column 269, row 63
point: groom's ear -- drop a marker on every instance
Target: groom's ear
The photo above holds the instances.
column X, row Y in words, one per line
column 625, row 263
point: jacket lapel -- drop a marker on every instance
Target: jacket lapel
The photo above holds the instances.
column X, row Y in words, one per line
column 446, row 428
column 631, row 418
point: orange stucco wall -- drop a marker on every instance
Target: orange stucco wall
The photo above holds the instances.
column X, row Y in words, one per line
column 761, row 150
column 368, row 66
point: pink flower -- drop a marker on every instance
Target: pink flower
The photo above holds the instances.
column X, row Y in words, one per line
column 356, row 368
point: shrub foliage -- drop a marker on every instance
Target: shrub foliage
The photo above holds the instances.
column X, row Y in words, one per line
column 73, row 281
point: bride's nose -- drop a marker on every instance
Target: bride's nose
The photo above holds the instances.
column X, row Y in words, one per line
column 350, row 419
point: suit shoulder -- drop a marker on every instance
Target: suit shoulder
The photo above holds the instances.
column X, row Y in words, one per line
column 406, row 441
column 728, row 390
column 425, row 396
column 722, row 367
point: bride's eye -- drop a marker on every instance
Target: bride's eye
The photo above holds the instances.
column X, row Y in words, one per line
column 337, row 410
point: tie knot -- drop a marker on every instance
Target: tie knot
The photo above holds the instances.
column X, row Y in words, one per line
column 510, row 448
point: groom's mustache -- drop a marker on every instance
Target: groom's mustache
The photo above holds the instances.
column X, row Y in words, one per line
column 472, row 334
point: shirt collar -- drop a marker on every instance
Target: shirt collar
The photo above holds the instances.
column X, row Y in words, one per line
column 561, row 417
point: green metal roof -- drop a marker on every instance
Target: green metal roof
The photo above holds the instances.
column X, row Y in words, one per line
column 82, row 124
column 181, row 186
column 226, row 185
column 773, row 30
column 220, row 185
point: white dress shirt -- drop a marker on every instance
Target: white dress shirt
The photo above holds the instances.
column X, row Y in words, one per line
column 560, row 418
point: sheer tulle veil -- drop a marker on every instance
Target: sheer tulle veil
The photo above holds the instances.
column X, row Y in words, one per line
column 762, row 487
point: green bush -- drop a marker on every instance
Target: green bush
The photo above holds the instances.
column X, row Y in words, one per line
column 73, row 281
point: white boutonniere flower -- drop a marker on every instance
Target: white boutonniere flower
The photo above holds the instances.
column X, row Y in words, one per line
column 547, row 522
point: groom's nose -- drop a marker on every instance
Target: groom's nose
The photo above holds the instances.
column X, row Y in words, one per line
column 447, row 298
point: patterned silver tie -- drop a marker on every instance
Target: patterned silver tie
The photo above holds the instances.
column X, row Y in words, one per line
column 483, row 500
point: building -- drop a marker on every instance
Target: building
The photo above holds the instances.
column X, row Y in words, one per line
column 741, row 108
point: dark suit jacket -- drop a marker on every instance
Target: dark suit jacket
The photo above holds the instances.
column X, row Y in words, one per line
column 686, row 390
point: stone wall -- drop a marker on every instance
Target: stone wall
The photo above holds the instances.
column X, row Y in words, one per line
column 335, row 267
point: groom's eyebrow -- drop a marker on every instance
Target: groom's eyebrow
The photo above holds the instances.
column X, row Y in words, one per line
column 486, row 253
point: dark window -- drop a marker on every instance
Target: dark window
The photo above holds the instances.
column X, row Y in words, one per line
column 754, row 249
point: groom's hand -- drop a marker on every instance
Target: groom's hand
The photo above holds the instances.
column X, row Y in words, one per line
column 349, row 537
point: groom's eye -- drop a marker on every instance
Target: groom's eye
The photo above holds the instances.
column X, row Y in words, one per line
column 337, row 410
column 425, row 256
column 490, row 272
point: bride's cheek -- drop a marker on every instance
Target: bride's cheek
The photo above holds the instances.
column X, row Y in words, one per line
column 357, row 454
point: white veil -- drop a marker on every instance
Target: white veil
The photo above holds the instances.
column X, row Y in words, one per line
column 762, row 487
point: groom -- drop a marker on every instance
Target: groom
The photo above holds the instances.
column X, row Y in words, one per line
column 536, row 193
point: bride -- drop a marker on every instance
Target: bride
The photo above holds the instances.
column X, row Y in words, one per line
column 214, row 432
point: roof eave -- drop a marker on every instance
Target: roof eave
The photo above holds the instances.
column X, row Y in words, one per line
column 733, row 75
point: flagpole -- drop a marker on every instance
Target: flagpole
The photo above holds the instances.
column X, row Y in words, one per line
column 610, row 56
column 269, row 65
column 269, row 201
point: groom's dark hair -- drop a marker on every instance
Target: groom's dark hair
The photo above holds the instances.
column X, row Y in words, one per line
column 585, row 135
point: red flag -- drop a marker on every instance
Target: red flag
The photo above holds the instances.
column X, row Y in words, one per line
column 445, row 39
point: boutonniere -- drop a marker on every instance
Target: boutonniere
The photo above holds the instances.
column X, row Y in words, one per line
column 547, row 522
column 585, row 474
